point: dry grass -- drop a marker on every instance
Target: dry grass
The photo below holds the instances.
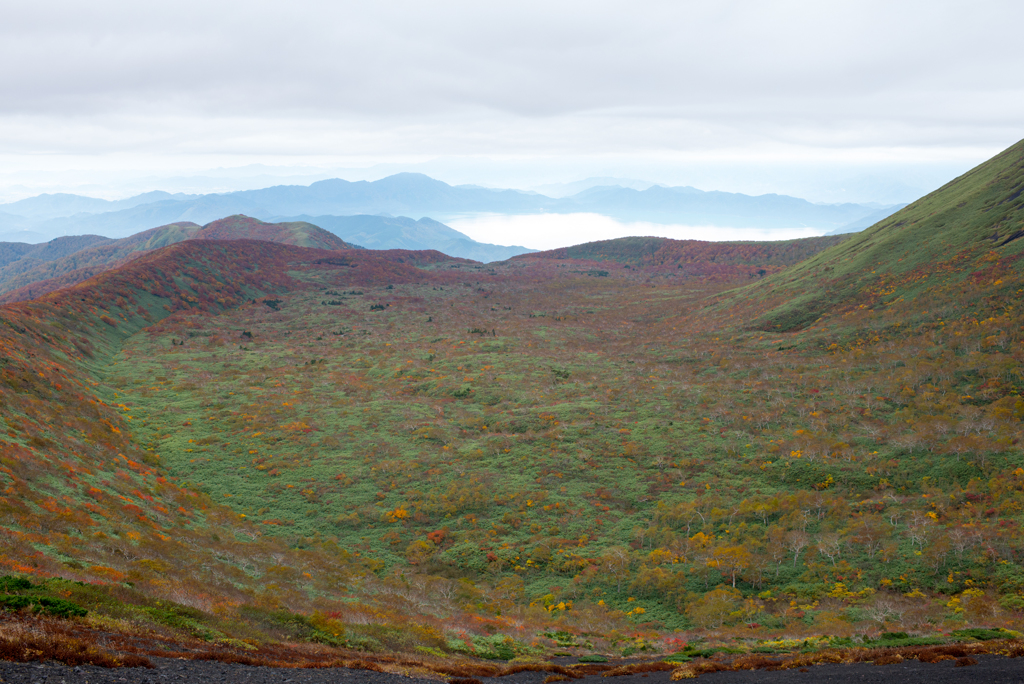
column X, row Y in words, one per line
column 539, row 667
column 45, row 640
column 78, row 642
column 464, row 669
column 640, row 668
column 756, row 661
column 590, row 669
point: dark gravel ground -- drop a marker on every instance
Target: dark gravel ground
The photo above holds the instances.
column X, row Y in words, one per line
column 989, row 670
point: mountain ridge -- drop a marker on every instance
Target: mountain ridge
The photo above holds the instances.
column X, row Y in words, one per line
column 25, row 281
column 976, row 217
column 418, row 195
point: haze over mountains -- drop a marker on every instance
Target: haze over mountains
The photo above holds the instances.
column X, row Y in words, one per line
column 44, row 217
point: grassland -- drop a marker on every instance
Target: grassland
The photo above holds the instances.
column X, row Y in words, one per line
column 620, row 451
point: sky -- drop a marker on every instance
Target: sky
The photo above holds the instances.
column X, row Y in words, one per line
column 831, row 101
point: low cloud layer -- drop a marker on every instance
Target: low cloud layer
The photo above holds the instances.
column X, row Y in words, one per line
column 551, row 231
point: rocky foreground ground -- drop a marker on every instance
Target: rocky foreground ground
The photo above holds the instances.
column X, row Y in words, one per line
column 988, row 669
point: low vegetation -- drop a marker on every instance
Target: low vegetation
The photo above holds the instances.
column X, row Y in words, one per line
column 266, row 453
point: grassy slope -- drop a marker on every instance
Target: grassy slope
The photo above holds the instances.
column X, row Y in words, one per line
column 16, row 257
column 78, row 486
column 85, row 498
column 978, row 215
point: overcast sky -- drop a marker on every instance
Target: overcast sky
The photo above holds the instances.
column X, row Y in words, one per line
column 747, row 96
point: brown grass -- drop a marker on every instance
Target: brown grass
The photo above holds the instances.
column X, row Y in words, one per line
column 590, row 669
column 539, row 667
column 464, row 669
column 639, row 668
column 22, row 643
column 756, row 661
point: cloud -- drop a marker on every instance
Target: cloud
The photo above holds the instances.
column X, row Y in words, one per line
column 550, row 231
column 359, row 81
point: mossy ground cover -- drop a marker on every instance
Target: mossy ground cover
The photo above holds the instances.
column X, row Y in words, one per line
column 407, row 436
column 571, row 440
column 404, row 456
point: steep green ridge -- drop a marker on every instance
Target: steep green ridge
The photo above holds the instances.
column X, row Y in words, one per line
column 978, row 215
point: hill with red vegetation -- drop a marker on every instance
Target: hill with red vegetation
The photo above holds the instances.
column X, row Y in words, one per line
column 19, row 285
column 298, row 233
column 695, row 257
column 78, row 481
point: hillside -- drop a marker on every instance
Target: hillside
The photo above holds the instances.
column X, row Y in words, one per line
column 965, row 230
column 82, row 486
column 24, row 279
column 695, row 257
column 11, row 252
column 581, row 451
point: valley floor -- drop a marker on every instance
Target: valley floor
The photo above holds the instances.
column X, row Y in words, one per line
column 989, row 669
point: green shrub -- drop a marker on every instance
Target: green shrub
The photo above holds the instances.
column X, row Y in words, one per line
column 61, row 608
column 889, row 636
column 9, row 583
column 678, row 657
column 182, row 619
column 44, row 604
column 592, row 658
column 15, row 602
column 321, row 637
column 979, row 634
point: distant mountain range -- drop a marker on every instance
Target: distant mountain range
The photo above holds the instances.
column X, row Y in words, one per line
column 45, row 217
column 867, row 221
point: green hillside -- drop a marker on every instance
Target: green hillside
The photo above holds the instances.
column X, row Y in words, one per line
column 978, row 216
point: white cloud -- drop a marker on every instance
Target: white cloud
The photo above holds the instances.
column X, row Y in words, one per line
column 654, row 84
column 550, row 231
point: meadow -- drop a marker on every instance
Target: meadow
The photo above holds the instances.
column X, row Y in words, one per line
column 627, row 446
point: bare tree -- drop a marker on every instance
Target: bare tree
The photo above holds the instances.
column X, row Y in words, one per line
column 797, row 541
